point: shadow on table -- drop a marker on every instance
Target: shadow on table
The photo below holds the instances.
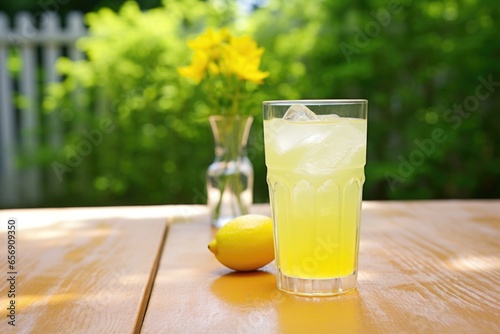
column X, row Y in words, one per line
column 241, row 289
column 255, row 295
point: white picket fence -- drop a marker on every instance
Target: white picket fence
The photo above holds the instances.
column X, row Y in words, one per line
column 39, row 46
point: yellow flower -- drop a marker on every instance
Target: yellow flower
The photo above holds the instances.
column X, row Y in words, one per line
column 207, row 51
column 196, row 69
column 213, row 68
column 242, row 58
column 224, row 63
column 246, row 46
column 209, row 40
column 251, row 73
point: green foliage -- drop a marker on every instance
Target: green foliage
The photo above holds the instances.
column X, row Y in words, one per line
column 414, row 67
column 413, row 70
column 160, row 142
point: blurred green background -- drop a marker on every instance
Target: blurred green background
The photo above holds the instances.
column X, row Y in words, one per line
column 430, row 70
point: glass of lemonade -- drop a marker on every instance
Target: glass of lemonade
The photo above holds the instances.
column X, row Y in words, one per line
column 315, row 155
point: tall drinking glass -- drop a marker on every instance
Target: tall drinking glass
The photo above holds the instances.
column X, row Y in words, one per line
column 315, row 155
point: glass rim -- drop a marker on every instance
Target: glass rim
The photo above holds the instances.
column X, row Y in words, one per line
column 316, row 102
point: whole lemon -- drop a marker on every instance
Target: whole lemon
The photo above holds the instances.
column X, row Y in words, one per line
column 245, row 243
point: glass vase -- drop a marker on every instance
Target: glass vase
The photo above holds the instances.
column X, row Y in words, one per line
column 230, row 176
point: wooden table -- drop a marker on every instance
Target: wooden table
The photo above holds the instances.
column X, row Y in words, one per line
column 425, row 267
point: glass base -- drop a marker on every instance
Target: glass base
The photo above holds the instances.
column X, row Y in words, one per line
column 316, row 287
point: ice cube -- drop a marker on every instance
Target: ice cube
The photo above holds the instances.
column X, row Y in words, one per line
column 345, row 146
column 299, row 112
column 331, row 117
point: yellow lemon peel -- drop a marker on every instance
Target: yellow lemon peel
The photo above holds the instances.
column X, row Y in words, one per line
column 245, row 243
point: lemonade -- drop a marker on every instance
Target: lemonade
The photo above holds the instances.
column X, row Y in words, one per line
column 315, row 174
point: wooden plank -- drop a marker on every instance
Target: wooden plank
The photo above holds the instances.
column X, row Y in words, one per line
column 425, row 267
column 82, row 270
column 80, row 108
column 9, row 196
column 51, row 51
column 25, row 187
column 29, row 116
